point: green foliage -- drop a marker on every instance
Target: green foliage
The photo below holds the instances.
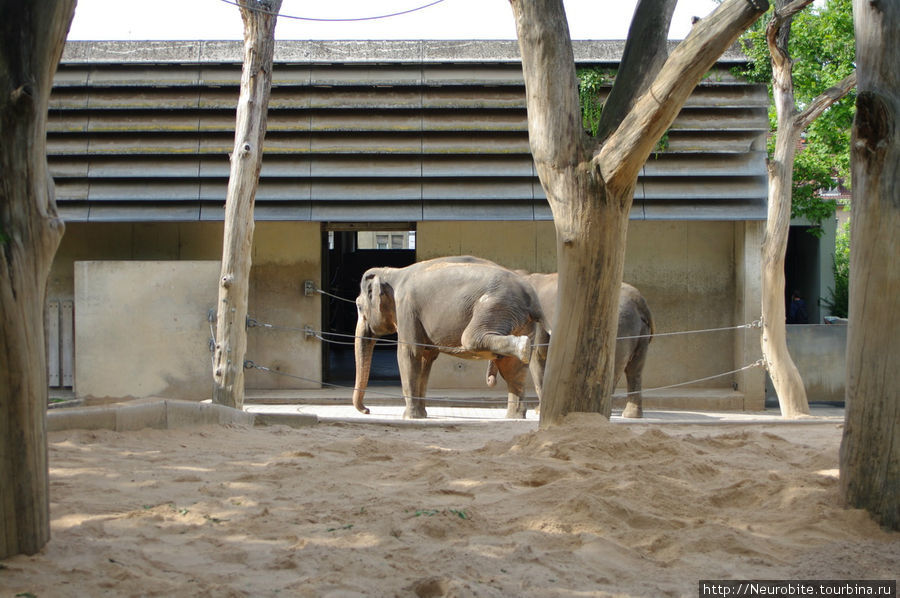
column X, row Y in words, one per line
column 823, row 49
column 590, row 85
column 838, row 301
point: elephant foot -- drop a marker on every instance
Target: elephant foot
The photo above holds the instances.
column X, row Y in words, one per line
column 515, row 413
column 632, row 410
column 523, row 349
column 414, row 413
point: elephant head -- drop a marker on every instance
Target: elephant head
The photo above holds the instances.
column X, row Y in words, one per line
column 376, row 316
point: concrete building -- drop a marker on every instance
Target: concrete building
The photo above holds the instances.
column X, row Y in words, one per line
column 393, row 138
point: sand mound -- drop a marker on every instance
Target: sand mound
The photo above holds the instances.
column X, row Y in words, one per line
column 586, row 508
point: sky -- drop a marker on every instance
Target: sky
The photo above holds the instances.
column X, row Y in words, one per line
column 445, row 19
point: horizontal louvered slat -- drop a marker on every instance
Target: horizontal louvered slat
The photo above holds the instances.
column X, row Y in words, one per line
column 702, row 164
column 699, row 188
column 144, row 132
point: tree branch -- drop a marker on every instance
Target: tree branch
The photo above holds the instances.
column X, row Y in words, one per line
column 645, row 53
column 824, row 100
column 555, row 130
column 778, row 33
column 623, row 154
column 793, row 8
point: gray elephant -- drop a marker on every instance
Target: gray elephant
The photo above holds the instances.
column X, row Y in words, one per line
column 463, row 306
column 635, row 320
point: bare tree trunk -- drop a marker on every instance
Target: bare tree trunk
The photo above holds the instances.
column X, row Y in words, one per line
column 785, row 375
column 32, row 36
column 870, row 450
column 590, row 182
column 791, row 123
column 259, row 18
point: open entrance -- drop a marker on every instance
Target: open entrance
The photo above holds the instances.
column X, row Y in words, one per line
column 348, row 250
column 801, row 274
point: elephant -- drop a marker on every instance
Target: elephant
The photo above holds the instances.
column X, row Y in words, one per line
column 463, row 306
column 635, row 320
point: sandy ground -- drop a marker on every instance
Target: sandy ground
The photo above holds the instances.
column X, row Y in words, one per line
column 589, row 508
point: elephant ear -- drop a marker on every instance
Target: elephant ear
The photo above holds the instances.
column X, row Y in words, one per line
column 380, row 299
column 373, row 291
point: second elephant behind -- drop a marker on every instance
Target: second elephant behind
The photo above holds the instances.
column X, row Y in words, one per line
column 634, row 332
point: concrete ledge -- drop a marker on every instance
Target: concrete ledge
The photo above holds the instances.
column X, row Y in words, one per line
column 150, row 413
column 294, row 420
column 338, row 51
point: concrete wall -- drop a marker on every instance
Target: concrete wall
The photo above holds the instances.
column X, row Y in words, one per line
column 141, row 329
column 695, row 275
column 819, row 352
column 284, row 255
column 692, row 273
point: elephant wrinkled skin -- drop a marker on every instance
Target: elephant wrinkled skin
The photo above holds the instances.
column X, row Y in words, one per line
column 463, row 306
column 635, row 320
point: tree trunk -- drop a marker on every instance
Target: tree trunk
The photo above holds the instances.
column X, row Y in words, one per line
column 785, row 375
column 32, row 36
column 590, row 182
column 870, row 450
column 791, row 123
column 580, row 363
column 259, row 18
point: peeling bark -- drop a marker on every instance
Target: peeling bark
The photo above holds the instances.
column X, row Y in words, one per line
column 259, row 18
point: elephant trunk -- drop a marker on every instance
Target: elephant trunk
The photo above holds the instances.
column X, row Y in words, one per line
column 363, row 348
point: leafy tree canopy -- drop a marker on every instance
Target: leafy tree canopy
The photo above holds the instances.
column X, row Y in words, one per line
column 823, row 49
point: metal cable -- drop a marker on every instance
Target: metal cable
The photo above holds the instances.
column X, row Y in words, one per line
column 337, row 20
column 758, row 363
column 753, row 324
column 320, row 334
column 251, row 365
column 248, row 364
column 321, row 292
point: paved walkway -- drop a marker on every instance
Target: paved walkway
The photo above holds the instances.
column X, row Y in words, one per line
column 437, row 415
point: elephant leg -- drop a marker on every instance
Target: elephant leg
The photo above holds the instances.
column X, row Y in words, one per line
column 514, row 372
column 415, row 367
column 633, row 374
column 418, row 403
column 482, row 334
column 539, row 362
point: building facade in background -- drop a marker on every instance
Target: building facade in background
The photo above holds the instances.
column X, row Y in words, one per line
column 384, row 153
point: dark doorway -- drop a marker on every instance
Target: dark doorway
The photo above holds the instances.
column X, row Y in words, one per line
column 348, row 250
column 801, row 271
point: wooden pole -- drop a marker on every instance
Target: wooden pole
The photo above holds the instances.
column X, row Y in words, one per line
column 259, row 18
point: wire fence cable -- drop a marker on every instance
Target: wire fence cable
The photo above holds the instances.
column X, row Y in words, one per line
column 332, row 20
column 248, row 364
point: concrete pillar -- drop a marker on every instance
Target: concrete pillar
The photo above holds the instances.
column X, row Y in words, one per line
column 748, row 237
